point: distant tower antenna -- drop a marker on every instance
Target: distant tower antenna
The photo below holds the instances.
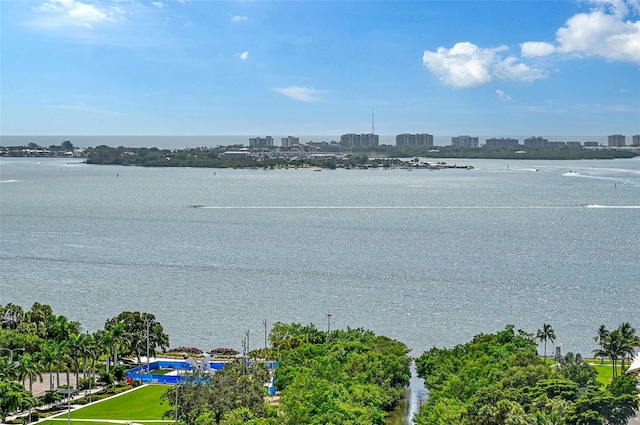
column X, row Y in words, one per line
column 373, row 126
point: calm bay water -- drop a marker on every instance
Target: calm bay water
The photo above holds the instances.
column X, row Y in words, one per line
column 427, row 257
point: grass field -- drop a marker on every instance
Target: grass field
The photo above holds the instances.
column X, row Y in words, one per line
column 139, row 405
column 63, row 421
column 142, row 405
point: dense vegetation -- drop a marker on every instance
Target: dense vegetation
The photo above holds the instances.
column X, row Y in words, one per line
column 341, row 377
column 213, row 157
column 344, row 377
column 37, row 341
column 500, row 379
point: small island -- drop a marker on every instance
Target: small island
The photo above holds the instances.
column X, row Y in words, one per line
column 313, row 155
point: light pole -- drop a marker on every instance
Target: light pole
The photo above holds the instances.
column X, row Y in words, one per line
column 11, row 350
column 147, row 346
column 68, row 392
column 177, row 383
column 265, row 339
column 248, row 351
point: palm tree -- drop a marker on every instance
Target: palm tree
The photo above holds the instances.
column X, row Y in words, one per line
column 50, row 356
column 544, row 334
column 7, row 369
column 75, row 352
column 29, row 367
column 601, row 336
column 629, row 342
column 13, row 316
column 104, row 339
column 118, row 333
column 38, row 316
column 613, row 347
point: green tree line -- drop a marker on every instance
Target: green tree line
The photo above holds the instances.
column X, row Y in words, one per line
column 214, row 158
column 499, row 379
column 350, row 377
column 37, row 341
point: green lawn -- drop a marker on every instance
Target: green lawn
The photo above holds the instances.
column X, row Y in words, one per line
column 140, row 404
column 63, row 421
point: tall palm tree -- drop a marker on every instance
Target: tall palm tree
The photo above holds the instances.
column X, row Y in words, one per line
column 29, row 367
column 13, row 316
column 49, row 353
column 75, row 352
column 601, row 336
column 544, row 334
column 105, row 342
column 7, row 369
column 613, row 347
column 119, row 337
column 38, row 316
column 629, row 342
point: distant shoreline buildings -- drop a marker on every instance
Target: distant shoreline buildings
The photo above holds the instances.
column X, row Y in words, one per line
column 427, row 140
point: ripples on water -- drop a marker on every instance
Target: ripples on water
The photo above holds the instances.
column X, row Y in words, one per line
column 430, row 258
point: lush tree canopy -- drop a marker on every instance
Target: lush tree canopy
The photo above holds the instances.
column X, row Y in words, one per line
column 499, row 379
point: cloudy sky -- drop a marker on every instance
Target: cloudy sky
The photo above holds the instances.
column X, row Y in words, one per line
column 495, row 68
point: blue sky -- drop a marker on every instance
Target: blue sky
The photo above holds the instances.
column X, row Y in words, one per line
column 490, row 68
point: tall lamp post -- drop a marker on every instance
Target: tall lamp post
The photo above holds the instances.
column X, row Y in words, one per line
column 147, row 346
column 67, row 392
column 11, row 350
column 177, row 383
column 265, row 339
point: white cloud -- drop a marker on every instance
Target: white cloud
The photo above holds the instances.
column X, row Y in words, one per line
column 303, row 94
column 503, row 96
column 604, row 31
column 159, row 4
column 467, row 65
column 532, row 49
column 65, row 13
column 243, row 56
column 238, row 19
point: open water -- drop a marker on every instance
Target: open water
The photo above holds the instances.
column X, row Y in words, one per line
column 427, row 257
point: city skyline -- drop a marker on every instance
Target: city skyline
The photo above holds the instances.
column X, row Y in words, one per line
column 561, row 70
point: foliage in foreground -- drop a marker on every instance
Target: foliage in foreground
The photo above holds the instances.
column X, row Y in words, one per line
column 499, row 379
column 344, row 377
column 207, row 400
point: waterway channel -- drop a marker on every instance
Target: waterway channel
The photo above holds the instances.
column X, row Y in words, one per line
column 415, row 397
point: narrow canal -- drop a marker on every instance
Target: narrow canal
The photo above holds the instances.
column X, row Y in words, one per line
column 415, row 397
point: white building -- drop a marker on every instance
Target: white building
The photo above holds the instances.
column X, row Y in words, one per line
column 289, row 141
column 465, row 142
column 256, row 142
column 616, row 140
column 352, row 139
column 420, row 139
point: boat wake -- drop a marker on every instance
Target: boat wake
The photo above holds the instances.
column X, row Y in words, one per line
column 409, row 207
column 613, row 206
column 9, row 181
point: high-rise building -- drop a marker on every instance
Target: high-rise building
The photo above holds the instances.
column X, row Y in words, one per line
column 465, row 142
column 616, row 140
column 258, row 142
column 289, row 141
column 352, row 139
column 503, row 142
column 635, row 140
column 421, row 139
column 536, row 142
